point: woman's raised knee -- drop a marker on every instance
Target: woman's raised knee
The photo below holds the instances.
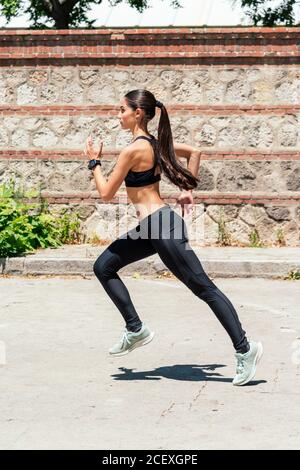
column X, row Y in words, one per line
column 105, row 265
column 98, row 267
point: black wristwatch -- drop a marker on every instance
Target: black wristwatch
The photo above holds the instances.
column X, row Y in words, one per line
column 93, row 163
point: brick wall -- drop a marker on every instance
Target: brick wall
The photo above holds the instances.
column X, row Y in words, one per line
column 233, row 92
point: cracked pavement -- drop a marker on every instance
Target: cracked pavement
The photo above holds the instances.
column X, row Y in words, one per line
column 61, row 390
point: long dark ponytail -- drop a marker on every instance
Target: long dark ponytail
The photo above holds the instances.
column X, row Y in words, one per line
column 169, row 164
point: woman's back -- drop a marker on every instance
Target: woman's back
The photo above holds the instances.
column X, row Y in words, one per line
column 142, row 181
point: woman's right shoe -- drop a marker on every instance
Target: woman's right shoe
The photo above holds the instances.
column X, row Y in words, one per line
column 131, row 340
column 246, row 363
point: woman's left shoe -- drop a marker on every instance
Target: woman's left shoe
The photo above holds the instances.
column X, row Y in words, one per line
column 131, row 340
column 246, row 363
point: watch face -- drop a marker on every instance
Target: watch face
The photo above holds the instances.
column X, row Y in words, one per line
column 92, row 164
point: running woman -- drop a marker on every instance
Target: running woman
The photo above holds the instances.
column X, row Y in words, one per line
column 160, row 229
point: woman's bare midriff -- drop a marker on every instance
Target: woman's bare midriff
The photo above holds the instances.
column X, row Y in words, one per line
column 146, row 199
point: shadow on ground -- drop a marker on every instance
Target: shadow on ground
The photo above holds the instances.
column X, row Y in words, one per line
column 188, row 372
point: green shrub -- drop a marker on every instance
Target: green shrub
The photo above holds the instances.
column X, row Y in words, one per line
column 224, row 237
column 24, row 227
column 280, row 237
column 255, row 241
column 294, row 275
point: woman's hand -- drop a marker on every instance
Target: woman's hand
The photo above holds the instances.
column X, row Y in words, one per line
column 89, row 150
column 185, row 200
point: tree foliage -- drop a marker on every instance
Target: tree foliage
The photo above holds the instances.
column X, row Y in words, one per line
column 270, row 13
column 63, row 14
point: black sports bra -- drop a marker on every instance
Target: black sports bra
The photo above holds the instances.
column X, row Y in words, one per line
column 146, row 177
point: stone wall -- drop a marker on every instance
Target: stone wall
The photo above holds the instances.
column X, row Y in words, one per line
column 232, row 92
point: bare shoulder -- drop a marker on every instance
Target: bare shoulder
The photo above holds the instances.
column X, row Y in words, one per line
column 134, row 146
column 134, row 150
column 128, row 155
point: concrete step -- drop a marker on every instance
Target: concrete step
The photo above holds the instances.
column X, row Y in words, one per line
column 216, row 261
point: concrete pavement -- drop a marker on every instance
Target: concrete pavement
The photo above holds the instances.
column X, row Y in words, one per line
column 217, row 261
column 61, row 390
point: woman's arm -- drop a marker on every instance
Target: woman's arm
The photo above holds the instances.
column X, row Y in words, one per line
column 192, row 155
column 184, row 150
column 108, row 188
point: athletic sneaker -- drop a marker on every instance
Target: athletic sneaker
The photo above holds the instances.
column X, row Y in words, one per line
column 246, row 363
column 131, row 340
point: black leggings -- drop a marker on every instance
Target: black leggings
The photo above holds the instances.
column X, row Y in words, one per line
column 164, row 232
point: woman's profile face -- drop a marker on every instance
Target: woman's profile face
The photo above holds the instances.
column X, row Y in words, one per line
column 127, row 115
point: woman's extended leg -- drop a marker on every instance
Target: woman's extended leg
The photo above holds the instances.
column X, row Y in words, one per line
column 182, row 261
column 125, row 250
